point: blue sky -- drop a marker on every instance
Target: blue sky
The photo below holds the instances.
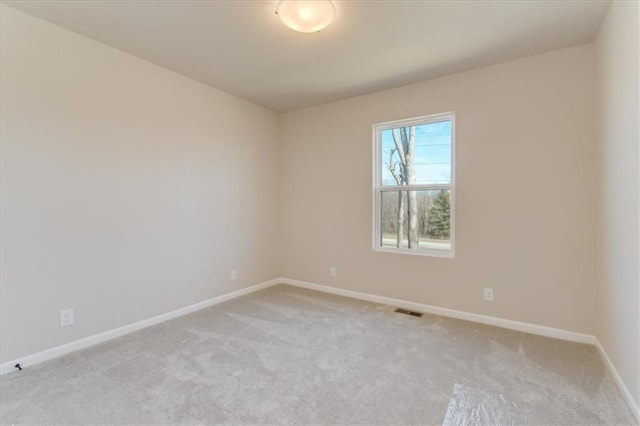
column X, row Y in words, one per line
column 432, row 153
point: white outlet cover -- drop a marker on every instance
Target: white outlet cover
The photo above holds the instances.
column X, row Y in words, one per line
column 66, row 317
column 488, row 294
column 333, row 272
column 234, row 274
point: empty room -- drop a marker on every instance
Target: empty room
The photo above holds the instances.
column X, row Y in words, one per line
column 320, row 212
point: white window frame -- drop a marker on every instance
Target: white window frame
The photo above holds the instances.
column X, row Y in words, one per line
column 378, row 188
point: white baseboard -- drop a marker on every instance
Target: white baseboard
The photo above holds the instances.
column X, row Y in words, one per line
column 77, row 345
column 633, row 405
column 483, row 319
column 451, row 313
column 436, row 310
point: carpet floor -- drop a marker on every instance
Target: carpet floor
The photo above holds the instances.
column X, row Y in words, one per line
column 286, row 355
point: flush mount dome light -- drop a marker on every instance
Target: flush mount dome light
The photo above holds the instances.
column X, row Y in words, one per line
column 306, row 16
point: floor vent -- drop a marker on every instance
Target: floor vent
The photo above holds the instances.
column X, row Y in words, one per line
column 408, row 312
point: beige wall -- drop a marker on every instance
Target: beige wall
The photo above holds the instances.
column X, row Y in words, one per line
column 127, row 190
column 617, row 54
column 525, row 202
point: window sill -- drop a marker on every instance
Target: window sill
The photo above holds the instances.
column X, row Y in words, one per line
column 447, row 254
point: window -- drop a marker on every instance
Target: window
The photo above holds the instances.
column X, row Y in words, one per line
column 414, row 186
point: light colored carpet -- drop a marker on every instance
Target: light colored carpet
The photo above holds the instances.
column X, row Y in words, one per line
column 288, row 355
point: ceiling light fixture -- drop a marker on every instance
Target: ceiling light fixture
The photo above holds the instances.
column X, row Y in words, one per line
column 306, row 16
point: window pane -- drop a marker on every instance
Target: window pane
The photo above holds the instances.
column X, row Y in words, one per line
column 424, row 218
column 431, row 161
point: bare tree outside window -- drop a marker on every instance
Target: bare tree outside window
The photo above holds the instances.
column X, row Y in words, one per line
column 414, row 184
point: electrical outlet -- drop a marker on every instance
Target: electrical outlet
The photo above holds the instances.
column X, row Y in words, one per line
column 488, row 294
column 234, row 275
column 333, row 272
column 66, row 318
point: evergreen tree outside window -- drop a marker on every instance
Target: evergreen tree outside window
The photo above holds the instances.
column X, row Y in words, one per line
column 414, row 186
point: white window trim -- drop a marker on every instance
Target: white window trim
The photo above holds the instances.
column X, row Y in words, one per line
column 378, row 188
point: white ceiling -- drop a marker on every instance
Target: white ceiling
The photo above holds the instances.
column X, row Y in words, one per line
column 241, row 46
